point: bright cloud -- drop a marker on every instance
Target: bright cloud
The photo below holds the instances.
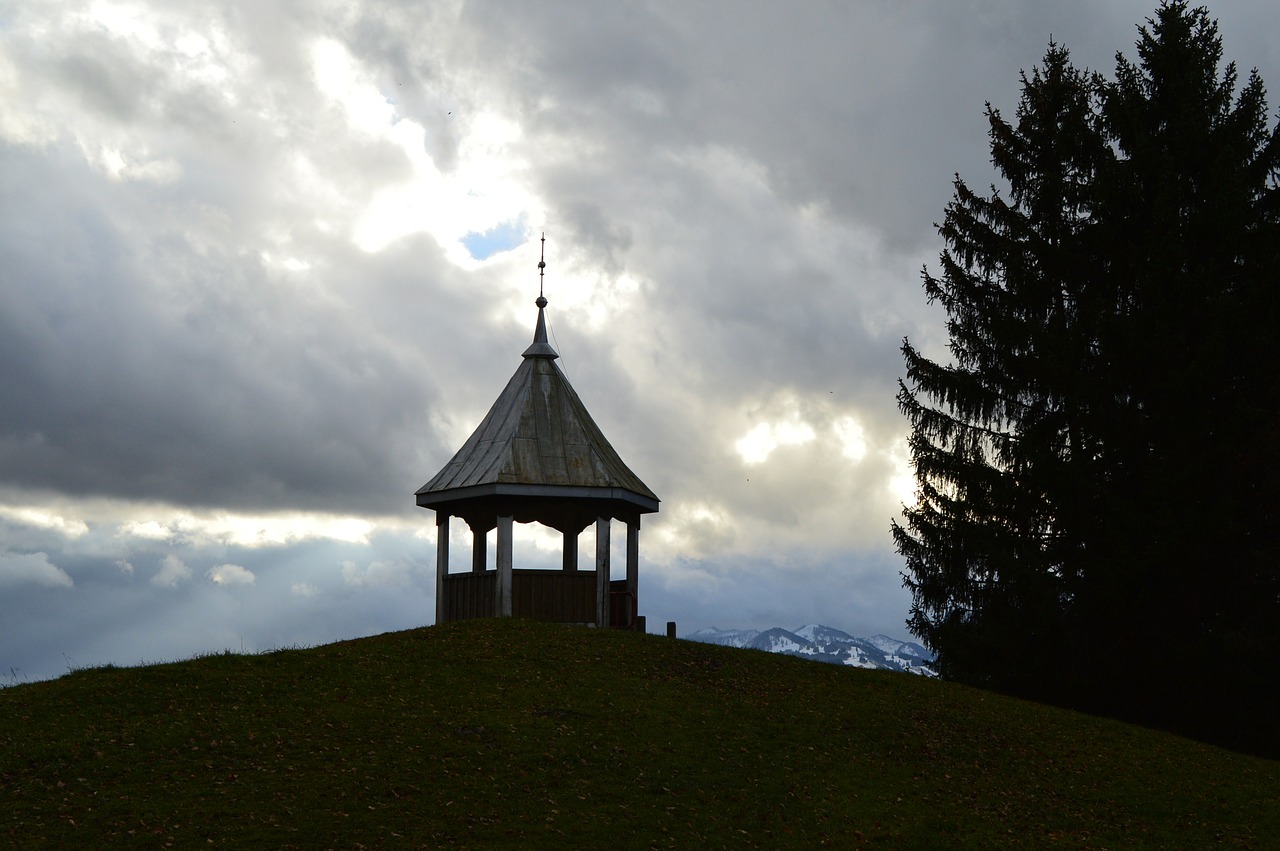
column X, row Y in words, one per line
column 902, row 484
column 757, row 445
column 230, row 574
column 173, row 572
column 147, row 530
column 269, row 530
column 699, row 528
column 20, row 568
column 126, row 20
column 43, row 518
column 485, row 189
column 120, row 166
column 340, row 77
column 249, row 530
column 852, row 437
column 378, row 574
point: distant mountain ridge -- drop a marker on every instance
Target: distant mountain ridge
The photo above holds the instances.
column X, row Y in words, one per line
column 827, row 644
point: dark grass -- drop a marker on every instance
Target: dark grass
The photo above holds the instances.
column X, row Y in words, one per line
column 515, row 734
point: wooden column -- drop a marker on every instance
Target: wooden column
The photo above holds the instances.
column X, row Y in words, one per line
column 570, row 550
column 442, row 562
column 502, row 599
column 479, row 549
column 602, row 571
column 633, row 571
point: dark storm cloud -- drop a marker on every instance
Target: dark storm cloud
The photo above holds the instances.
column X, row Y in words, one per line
column 151, row 367
column 841, row 108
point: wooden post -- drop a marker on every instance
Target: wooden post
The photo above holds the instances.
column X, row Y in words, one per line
column 479, row 550
column 671, row 629
column 503, row 597
column 570, row 550
column 442, row 562
column 633, row 570
column 602, row 571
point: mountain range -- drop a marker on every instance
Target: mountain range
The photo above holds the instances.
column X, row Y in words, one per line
column 826, row 644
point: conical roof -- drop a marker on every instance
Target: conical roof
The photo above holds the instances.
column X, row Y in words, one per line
column 538, row 441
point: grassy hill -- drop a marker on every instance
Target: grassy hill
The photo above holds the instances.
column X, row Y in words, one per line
column 516, row 734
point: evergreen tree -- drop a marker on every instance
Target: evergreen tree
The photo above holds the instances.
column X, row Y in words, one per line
column 1097, row 466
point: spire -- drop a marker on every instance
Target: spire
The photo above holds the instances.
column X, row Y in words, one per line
column 540, row 347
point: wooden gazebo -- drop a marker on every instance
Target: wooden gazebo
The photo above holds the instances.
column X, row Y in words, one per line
column 538, row 456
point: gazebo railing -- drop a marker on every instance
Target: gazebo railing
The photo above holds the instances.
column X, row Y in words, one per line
column 547, row 595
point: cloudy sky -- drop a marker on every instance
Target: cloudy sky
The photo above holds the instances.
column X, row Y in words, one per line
column 265, row 265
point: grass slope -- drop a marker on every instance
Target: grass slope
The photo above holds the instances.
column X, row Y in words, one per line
column 517, row 734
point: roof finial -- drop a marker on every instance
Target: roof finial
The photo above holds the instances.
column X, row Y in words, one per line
column 540, row 347
column 542, row 265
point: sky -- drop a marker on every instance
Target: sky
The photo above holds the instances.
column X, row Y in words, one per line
column 265, row 265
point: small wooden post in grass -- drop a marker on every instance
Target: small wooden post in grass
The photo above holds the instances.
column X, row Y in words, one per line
column 671, row 629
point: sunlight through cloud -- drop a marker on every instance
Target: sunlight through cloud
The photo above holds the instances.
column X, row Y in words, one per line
column 902, row 484
column 483, row 194
column 852, row 437
column 40, row 518
column 757, row 445
column 251, row 531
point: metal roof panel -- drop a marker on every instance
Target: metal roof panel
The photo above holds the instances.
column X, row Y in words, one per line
column 538, row 432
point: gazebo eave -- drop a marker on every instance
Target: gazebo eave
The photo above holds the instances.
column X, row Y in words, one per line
column 452, row 499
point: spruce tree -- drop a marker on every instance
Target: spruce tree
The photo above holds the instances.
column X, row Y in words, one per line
column 1096, row 466
column 990, row 541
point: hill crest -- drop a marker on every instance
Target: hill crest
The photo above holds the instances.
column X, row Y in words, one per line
column 516, row 734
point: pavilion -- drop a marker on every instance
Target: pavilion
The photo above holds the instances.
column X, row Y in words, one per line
column 538, row 456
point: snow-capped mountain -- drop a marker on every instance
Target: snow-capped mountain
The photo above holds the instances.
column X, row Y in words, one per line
column 825, row 644
column 727, row 637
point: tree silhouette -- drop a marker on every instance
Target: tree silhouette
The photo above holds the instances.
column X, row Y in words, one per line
column 1097, row 466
